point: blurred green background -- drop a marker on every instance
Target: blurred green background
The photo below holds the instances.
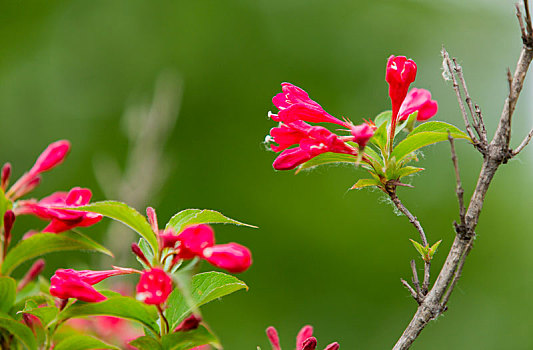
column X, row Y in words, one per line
column 322, row 255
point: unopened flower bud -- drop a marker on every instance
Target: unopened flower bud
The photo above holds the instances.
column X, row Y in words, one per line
column 137, row 251
column 9, row 220
column 154, row 286
column 273, row 336
column 232, row 257
column 152, row 219
column 309, row 344
column 6, row 173
column 28, row 186
column 34, row 271
column 190, row 323
column 333, row 346
column 53, row 155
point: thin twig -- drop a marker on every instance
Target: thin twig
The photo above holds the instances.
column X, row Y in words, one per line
column 521, row 22
column 523, row 144
column 458, row 187
column 416, row 281
column 468, row 99
column 528, row 18
column 410, row 289
column 459, row 97
column 427, row 272
column 412, row 219
column 479, row 116
column 458, row 273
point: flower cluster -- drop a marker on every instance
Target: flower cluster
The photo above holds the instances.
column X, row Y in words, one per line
column 295, row 110
column 304, row 339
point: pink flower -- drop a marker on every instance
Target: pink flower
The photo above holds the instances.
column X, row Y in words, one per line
column 61, row 219
column 313, row 141
column 362, row 133
column 418, row 100
column 68, row 283
column 294, row 104
column 188, row 324
column 154, row 286
column 304, row 339
column 52, row 156
column 231, row 257
column 400, row 73
column 194, row 239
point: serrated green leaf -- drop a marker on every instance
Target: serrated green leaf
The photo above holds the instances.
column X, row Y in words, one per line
column 200, row 216
column 44, row 243
column 420, row 248
column 146, row 343
column 22, row 333
column 190, row 339
column 125, row 214
column 424, row 135
column 383, row 118
column 205, row 287
column 361, row 183
column 407, row 170
column 8, row 292
column 117, row 306
column 327, row 158
column 82, row 342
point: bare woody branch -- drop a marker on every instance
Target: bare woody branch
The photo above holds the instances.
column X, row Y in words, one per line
column 496, row 153
column 459, row 187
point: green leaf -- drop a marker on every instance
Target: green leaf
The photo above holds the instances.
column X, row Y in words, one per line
column 189, row 339
column 205, row 287
column 125, row 214
column 425, row 135
column 46, row 313
column 200, row 216
column 361, row 183
column 22, row 333
column 327, row 158
column 408, row 123
column 407, row 170
column 383, row 118
column 147, row 251
column 434, row 248
column 117, row 306
column 146, row 343
column 44, row 243
column 5, row 205
column 8, row 292
column 420, row 248
column 82, row 342
column 380, row 137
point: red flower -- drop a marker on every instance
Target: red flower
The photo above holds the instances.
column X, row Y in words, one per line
column 362, row 133
column 294, row 104
column 418, row 100
column 304, row 339
column 68, row 283
column 232, row 257
column 61, row 219
column 400, row 73
column 194, row 239
column 313, row 141
column 154, row 286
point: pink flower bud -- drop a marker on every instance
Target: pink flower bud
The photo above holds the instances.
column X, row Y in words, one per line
column 53, row 155
column 6, row 174
column 232, row 257
column 168, row 238
column 31, row 321
column 34, row 271
column 273, row 336
column 309, row 344
column 333, row 346
column 418, row 100
column 304, row 333
column 362, row 133
column 152, row 219
column 194, row 239
column 400, row 73
column 154, row 286
column 137, row 251
column 188, row 324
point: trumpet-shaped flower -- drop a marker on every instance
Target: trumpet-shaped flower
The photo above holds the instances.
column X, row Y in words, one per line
column 418, row 100
column 304, row 339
